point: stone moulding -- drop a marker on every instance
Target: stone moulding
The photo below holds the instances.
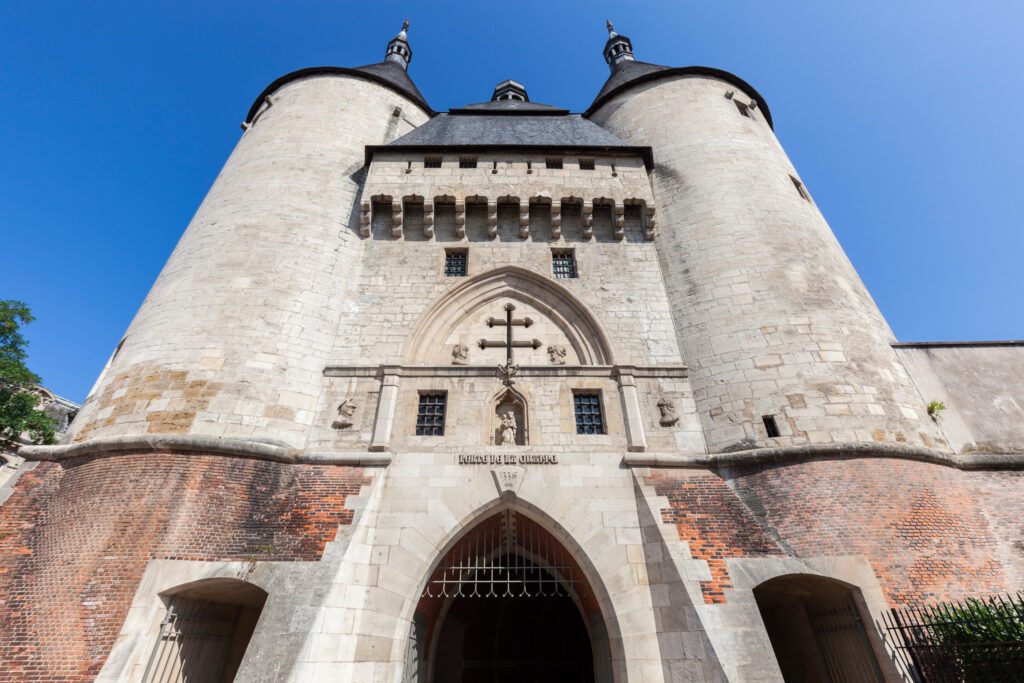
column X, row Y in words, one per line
column 282, row 453
column 788, row 455
column 274, row 451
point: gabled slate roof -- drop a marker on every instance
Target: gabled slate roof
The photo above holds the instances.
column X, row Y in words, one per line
column 570, row 130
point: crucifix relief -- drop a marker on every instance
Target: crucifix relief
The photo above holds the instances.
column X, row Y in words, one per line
column 509, row 323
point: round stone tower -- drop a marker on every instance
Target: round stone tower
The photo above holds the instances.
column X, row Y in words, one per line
column 231, row 340
column 785, row 344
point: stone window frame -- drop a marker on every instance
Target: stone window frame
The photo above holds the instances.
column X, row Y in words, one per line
column 427, row 398
column 565, row 256
column 451, row 259
column 589, row 398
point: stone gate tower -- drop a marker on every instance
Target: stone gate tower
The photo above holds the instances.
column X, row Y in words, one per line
column 509, row 391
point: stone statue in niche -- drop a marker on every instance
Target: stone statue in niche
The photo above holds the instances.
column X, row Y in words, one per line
column 508, row 428
column 346, row 412
column 669, row 416
column 460, row 354
column 556, row 354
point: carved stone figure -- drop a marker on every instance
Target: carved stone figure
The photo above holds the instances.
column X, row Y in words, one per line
column 556, row 354
column 508, row 429
column 346, row 411
column 669, row 416
column 460, row 354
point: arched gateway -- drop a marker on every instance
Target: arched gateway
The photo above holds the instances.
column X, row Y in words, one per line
column 508, row 603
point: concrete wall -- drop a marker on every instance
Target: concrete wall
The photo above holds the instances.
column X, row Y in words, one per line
column 769, row 313
column 982, row 385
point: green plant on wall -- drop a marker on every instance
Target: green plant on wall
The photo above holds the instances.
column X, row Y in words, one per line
column 935, row 408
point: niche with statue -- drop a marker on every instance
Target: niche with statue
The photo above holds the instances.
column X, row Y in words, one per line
column 509, row 419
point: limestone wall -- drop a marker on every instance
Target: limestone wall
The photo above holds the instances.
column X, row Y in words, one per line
column 769, row 313
column 982, row 387
column 231, row 340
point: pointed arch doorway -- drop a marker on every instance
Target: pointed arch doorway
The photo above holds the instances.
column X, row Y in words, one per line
column 508, row 603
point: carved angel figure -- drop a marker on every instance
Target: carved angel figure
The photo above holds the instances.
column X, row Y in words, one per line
column 460, row 354
column 556, row 354
column 669, row 416
column 346, row 410
column 508, row 428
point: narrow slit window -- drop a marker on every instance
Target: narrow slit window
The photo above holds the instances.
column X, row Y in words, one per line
column 430, row 414
column 586, row 164
column 744, row 109
column 553, row 163
column 467, row 162
column 800, row 188
column 587, row 411
column 563, row 263
column 455, row 262
column 529, row 167
column 432, row 162
column 770, row 426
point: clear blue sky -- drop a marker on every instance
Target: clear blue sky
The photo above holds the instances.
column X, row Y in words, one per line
column 904, row 118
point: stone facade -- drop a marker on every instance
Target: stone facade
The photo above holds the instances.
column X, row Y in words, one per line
column 261, row 423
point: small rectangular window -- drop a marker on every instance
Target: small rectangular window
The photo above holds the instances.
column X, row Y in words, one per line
column 467, row 162
column 430, row 414
column 553, row 163
column 744, row 109
column 455, row 261
column 563, row 263
column 800, row 188
column 587, row 410
column 586, row 164
column 770, row 426
column 432, row 162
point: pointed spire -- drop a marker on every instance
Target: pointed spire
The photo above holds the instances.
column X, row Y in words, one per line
column 618, row 49
column 399, row 51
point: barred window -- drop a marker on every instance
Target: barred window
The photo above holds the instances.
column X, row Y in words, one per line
column 467, row 162
column 587, row 408
column 430, row 415
column 432, row 162
column 586, row 164
column 563, row 263
column 455, row 261
column 553, row 163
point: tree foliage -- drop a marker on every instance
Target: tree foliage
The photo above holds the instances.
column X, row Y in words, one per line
column 19, row 402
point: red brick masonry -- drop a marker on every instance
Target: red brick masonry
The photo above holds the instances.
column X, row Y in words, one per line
column 75, row 540
column 930, row 532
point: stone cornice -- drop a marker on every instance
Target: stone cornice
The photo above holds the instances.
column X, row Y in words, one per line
column 274, row 451
column 789, row 455
column 609, row 371
column 282, row 453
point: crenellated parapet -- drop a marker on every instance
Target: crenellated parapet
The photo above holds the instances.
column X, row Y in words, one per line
column 399, row 182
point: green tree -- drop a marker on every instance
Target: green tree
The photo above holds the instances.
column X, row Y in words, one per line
column 19, row 402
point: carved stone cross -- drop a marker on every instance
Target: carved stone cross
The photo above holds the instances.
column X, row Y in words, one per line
column 509, row 343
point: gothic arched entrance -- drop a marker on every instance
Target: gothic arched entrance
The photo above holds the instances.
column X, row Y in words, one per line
column 508, row 604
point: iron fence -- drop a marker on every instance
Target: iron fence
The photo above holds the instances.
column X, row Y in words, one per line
column 967, row 641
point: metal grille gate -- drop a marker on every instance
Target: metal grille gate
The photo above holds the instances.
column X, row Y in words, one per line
column 194, row 643
column 507, row 556
column 843, row 642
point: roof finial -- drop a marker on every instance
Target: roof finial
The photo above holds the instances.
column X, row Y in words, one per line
column 618, row 49
column 399, row 51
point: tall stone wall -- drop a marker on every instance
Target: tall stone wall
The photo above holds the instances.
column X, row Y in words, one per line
column 770, row 315
column 233, row 336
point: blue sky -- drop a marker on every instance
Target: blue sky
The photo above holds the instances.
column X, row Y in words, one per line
column 904, row 119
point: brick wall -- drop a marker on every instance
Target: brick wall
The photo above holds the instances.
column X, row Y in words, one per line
column 930, row 532
column 75, row 540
